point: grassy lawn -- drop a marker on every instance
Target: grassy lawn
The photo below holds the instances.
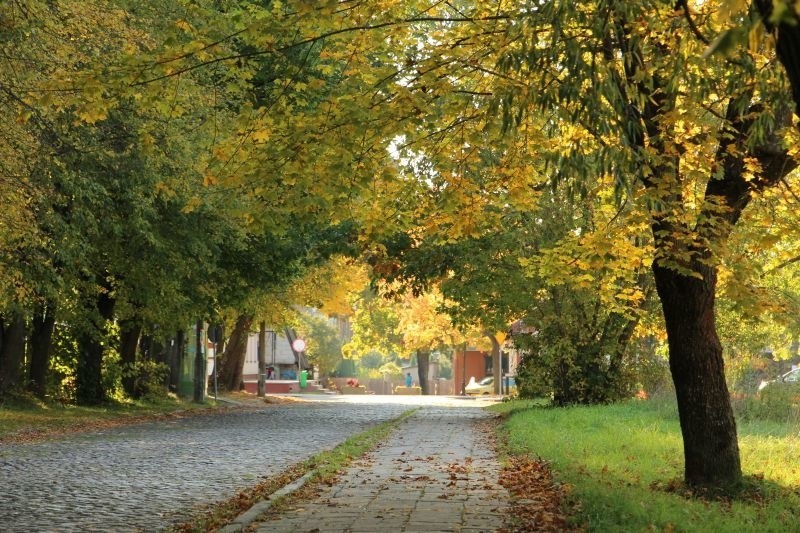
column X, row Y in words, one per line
column 623, row 466
column 25, row 418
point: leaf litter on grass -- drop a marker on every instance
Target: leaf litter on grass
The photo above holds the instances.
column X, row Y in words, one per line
column 537, row 502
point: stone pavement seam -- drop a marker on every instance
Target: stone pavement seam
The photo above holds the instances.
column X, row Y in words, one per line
column 251, row 515
column 437, row 471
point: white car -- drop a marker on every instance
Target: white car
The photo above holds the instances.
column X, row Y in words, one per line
column 792, row 376
column 486, row 386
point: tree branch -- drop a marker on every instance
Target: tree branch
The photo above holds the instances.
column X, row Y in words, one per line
column 682, row 4
column 322, row 36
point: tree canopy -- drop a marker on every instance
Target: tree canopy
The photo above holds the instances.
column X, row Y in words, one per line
column 527, row 159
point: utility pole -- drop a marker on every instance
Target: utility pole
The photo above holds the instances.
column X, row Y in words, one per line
column 262, row 359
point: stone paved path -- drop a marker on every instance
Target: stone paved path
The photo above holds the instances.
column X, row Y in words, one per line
column 437, row 472
column 148, row 476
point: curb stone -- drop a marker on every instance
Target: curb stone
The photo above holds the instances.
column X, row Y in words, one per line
column 438, row 471
column 252, row 514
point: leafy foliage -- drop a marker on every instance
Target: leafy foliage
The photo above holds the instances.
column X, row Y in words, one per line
column 559, row 148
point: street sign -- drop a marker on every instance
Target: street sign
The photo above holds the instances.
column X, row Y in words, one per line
column 299, row 345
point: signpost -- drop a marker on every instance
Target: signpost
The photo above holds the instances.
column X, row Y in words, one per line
column 299, row 346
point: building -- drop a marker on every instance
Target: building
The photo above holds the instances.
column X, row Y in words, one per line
column 472, row 364
column 282, row 362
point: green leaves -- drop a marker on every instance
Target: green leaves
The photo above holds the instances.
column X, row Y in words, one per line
column 726, row 42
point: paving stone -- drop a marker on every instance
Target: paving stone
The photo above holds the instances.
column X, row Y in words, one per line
column 149, row 476
column 413, row 469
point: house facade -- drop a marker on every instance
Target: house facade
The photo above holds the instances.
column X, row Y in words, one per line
column 472, row 364
column 282, row 362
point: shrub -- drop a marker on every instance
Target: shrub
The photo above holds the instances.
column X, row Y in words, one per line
column 778, row 402
column 745, row 373
column 149, row 379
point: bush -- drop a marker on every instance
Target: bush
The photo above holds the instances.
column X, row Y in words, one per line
column 577, row 375
column 391, row 370
column 532, row 382
column 650, row 373
column 745, row 373
column 778, row 402
column 149, row 379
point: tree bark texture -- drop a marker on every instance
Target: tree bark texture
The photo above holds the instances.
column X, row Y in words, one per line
column 42, row 327
column 787, row 45
column 231, row 364
column 497, row 364
column 89, row 389
column 174, row 362
column 423, row 363
column 262, row 358
column 128, row 343
column 711, row 450
column 199, row 363
column 12, row 352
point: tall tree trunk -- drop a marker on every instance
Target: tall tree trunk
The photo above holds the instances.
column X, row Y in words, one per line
column 158, row 351
column 42, row 326
column 423, row 363
column 128, row 343
column 787, row 44
column 710, row 446
column 199, row 363
column 497, row 364
column 231, row 364
column 262, row 358
column 711, row 449
column 89, row 388
column 12, row 353
column 174, row 362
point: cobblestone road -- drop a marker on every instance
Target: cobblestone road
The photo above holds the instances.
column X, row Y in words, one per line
column 148, row 476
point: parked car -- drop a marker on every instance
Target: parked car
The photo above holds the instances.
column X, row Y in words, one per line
column 486, row 386
column 792, row 376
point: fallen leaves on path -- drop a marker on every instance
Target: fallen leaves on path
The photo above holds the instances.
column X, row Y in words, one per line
column 90, row 424
column 29, row 435
column 218, row 514
column 274, row 399
column 537, row 501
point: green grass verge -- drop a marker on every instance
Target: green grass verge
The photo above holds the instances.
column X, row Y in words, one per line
column 25, row 418
column 325, row 467
column 623, row 465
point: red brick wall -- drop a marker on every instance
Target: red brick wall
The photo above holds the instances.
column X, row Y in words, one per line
column 475, row 367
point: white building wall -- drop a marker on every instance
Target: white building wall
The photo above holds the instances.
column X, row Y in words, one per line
column 282, row 355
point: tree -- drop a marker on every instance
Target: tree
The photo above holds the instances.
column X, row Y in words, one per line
column 546, row 266
column 402, row 323
column 779, row 18
column 106, row 188
column 323, row 342
column 628, row 96
column 476, row 107
column 255, row 269
column 653, row 122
